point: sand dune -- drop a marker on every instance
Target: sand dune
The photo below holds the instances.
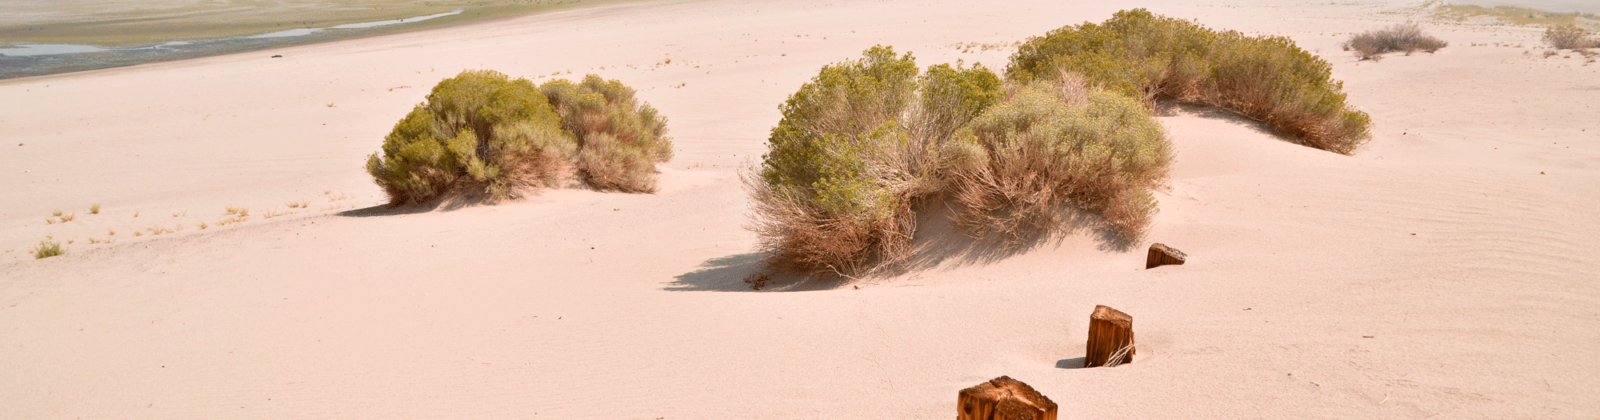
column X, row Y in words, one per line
column 1443, row 271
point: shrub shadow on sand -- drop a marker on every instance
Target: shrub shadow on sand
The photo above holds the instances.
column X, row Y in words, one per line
column 451, row 203
column 728, row 274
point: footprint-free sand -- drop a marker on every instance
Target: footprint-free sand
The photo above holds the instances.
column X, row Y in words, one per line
column 1445, row 270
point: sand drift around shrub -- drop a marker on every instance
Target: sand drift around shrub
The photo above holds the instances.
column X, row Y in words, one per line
column 867, row 144
column 483, row 135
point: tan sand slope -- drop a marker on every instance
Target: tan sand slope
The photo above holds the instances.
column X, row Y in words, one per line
column 1445, row 271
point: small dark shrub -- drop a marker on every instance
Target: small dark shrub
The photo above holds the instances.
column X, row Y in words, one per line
column 619, row 139
column 1569, row 37
column 858, row 147
column 1056, row 143
column 478, row 132
column 1407, row 37
column 1145, row 56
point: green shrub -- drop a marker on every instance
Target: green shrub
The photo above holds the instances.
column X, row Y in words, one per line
column 47, row 249
column 482, row 133
column 1055, row 143
column 478, row 132
column 1407, row 37
column 856, row 148
column 1569, row 37
column 619, row 139
column 1268, row 79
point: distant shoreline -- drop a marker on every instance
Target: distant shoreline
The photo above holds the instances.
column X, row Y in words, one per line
column 31, row 59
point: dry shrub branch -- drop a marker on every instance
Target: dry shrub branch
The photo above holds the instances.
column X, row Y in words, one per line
column 1405, row 37
column 1569, row 37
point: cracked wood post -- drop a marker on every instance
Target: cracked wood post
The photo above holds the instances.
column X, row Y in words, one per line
column 1004, row 398
column 1110, row 338
column 1164, row 255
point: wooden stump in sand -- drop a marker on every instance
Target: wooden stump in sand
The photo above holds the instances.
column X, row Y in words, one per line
column 1110, row 338
column 1163, row 255
column 1004, row 398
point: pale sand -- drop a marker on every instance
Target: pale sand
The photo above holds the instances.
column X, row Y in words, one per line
column 1436, row 273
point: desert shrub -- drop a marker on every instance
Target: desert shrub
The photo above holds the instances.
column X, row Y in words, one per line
column 619, row 139
column 1268, row 79
column 857, row 148
column 478, row 132
column 1569, row 37
column 1407, row 37
column 1055, row 143
column 47, row 249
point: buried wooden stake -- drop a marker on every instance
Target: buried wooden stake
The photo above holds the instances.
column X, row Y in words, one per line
column 1110, row 338
column 1163, row 255
column 1004, row 398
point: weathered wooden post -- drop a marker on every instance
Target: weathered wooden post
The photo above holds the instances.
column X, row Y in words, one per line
column 1163, row 255
column 1110, row 338
column 1004, row 398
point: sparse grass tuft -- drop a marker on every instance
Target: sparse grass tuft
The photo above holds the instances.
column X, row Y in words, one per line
column 1406, row 37
column 94, row 208
column 47, row 249
column 68, row 217
column 1268, row 79
column 56, row 213
column 1569, row 37
column 203, row 225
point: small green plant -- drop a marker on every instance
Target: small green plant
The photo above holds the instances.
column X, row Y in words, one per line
column 56, row 213
column 1268, row 79
column 1405, row 37
column 94, row 208
column 1569, row 37
column 68, row 217
column 47, row 249
column 620, row 139
column 478, row 133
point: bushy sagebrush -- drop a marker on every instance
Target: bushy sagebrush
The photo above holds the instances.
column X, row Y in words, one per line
column 1407, row 37
column 1050, row 144
column 856, row 148
column 482, row 133
column 1569, row 37
column 1145, row 56
column 619, row 139
column 478, row 132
